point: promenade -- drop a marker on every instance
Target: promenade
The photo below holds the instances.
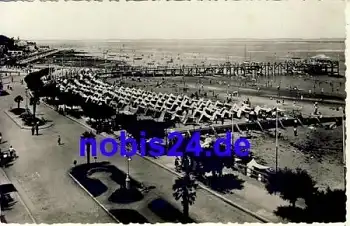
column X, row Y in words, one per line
column 42, row 171
column 18, row 213
column 40, row 174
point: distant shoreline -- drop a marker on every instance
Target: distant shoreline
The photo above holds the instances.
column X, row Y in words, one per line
column 339, row 40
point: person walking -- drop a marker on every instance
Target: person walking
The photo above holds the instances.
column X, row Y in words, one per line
column 177, row 164
column 295, row 132
column 12, row 152
column 33, row 130
column 37, row 128
column 59, row 140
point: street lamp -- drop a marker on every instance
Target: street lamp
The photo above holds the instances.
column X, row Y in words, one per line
column 232, row 131
column 26, row 98
column 127, row 179
column 344, row 140
column 276, row 152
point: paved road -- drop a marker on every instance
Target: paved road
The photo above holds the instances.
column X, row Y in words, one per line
column 42, row 172
column 16, row 213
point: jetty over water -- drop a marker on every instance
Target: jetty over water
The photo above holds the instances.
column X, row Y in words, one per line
column 37, row 56
column 254, row 69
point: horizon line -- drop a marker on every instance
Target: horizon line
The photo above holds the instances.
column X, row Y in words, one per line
column 189, row 39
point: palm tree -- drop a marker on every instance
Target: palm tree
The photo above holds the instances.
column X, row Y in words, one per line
column 185, row 189
column 88, row 135
column 18, row 99
column 34, row 100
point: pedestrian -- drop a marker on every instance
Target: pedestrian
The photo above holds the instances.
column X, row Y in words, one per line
column 33, row 130
column 59, row 140
column 295, row 132
column 37, row 128
column 12, row 151
column 177, row 164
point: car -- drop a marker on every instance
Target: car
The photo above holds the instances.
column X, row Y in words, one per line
column 6, row 157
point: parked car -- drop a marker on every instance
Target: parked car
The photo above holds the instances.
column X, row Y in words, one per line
column 6, row 156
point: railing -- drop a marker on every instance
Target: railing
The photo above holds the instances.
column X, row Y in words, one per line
column 260, row 176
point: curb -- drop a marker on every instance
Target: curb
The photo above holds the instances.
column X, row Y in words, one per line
column 98, row 202
column 26, row 127
column 71, row 118
column 305, row 99
column 264, row 220
column 20, row 199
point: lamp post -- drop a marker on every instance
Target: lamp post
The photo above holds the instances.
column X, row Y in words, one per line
column 276, row 152
column 1, row 216
column 232, row 131
column 26, row 98
column 344, row 141
column 127, row 179
column 166, row 140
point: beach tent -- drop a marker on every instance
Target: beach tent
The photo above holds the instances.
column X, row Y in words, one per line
column 254, row 165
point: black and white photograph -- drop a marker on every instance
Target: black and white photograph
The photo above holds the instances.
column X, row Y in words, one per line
column 173, row 112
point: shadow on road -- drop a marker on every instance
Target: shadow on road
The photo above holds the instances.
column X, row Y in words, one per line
column 17, row 111
column 225, row 183
column 165, row 211
column 4, row 93
column 94, row 186
column 3, row 142
column 126, row 216
column 124, row 196
column 168, row 212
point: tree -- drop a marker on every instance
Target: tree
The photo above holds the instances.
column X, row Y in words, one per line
column 36, row 85
column 18, row 99
column 34, row 100
column 50, row 90
column 291, row 185
column 185, row 189
column 327, row 206
column 322, row 206
column 87, row 135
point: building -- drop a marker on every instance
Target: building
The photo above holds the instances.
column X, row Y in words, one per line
column 31, row 47
column 21, row 43
column 2, row 49
column 15, row 53
column 44, row 48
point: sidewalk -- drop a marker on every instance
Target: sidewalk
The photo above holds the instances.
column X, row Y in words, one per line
column 40, row 173
column 252, row 197
column 20, row 123
column 208, row 207
column 18, row 213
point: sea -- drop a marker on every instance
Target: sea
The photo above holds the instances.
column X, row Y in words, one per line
column 203, row 51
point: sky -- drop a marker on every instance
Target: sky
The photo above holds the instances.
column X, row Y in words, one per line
column 258, row 19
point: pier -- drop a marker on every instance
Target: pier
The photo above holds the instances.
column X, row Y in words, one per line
column 37, row 57
column 252, row 69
